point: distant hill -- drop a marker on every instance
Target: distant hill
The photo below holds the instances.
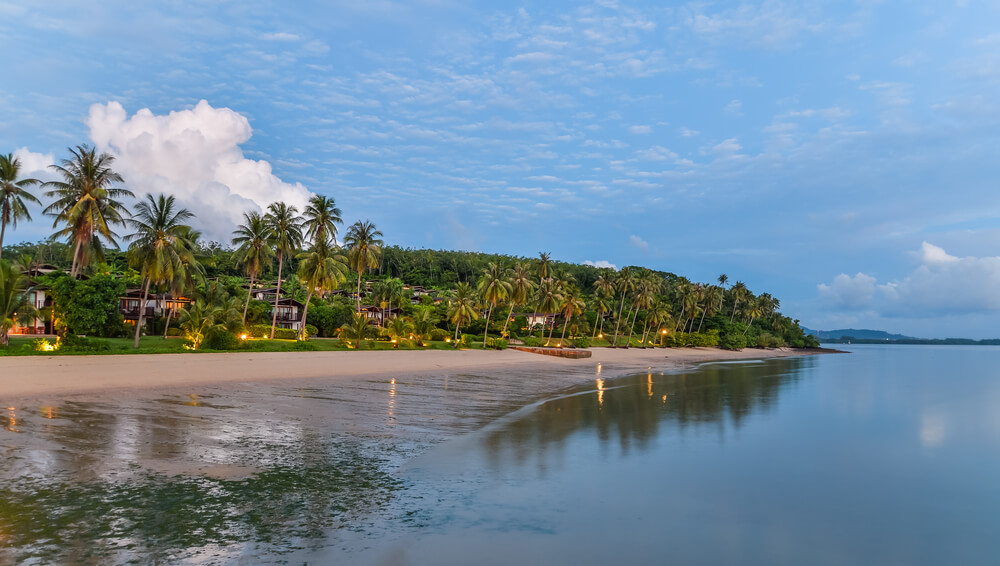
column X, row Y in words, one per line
column 859, row 334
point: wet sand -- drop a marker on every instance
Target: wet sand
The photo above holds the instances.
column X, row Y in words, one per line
column 57, row 376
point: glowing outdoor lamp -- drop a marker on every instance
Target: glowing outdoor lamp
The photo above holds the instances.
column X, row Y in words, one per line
column 243, row 336
column 664, row 332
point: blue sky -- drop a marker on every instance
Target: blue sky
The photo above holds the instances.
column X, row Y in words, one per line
column 841, row 155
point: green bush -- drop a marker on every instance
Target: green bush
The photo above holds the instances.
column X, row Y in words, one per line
column 439, row 334
column 733, row 341
column 74, row 343
column 466, row 340
column 174, row 331
column 311, row 330
column 221, row 340
column 497, row 343
column 768, row 340
column 532, row 341
column 582, row 342
column 264, row 331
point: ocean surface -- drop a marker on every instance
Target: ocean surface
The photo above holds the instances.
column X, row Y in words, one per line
column 887, row 455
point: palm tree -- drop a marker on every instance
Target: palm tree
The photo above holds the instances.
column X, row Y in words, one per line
column 603, row 305
column 198, row 320
column 87, row 203
column 320, row 219
column 364, row 247
column 713, row 301
column 723, row 279
column 357, row 329
column 398, row 329
column 691, row 301
column 572, row 304
column 549, row 301
column 521, row 287
column 387, row 292
column 15, row 300
column 739, row 293
column 159, row 247
column 754, row 309
column 286, row 238
column 658, row 316
column 423, row 324
column 625, row 283
column 462, row 307
column 183, row 280
column 544, row 265
column 13, row 193
column 647, row 286
column 321, row 269
column 493, row 288
column 254, row 251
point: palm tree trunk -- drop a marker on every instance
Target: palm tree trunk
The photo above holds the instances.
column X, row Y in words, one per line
column 680, row 319
column 562, row 339
column 142, row 310
column 166, row 326
column 486, row 331
column 748, row 326
column 359, row 292
column 631, row 327
column 551, row 330
column 3, row 228
column 732, row 316
column 277, row 295
column 594, row 337
column 702, row 321
column 305, row 312
column 76, row 258
column 506, row 322
column 645, row 334
column 618, row 322
column 457, row 326
column 247, row 305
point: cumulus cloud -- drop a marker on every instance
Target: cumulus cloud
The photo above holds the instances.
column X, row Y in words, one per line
column 602, row 263
column 33, row 164
column 638, row 242
column 195, row 155
column 941, row 284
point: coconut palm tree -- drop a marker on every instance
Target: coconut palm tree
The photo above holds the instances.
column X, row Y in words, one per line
column 321, row 269
column 755, row 309
column 493, row 288
column 13, row 193
column 739, row 293
column 572, row 304
column 713, row 300
column 549, row 301
column 624, row 284
column 357, row 329
column 387, row 292
column 320, row 219
column 602, row 303
column 87, row 203
column 521, row 287
column 15, row 300
column 723, row 279
column 462, row 307
column 658, row 316
column 182, row 281
column 399, row 329
column 286, row 238
column 544, row 265
column 647, row 285
column 198, row 320
column 159, row 246
column 364, row 248
column 254, row 251
column 424, row 323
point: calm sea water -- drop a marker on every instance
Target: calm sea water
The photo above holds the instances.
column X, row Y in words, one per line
column 890, row 455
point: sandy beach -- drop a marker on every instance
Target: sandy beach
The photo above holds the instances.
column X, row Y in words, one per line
column 56, row 376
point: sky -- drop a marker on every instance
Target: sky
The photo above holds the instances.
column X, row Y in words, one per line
column 842, row 156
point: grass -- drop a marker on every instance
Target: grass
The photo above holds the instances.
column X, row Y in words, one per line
column 23, row 346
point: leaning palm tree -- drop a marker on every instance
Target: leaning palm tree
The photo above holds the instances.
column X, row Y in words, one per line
column 286, row 239
column 493, row 288
column 739, row 293
column 602, row 303
column 13, row 193
column 159, row 246
column 549, row 301
column 572, row 305
column 321, row 269
column 755, row 309
column 87, row 203
column 713, row 301
column 462, row 307
column 624, row 284
column 254, row 251
column 320, row 219
column 521, row 287
column 364, row 248
column 15, row 300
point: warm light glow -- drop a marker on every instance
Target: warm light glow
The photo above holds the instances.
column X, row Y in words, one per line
column 600, row 392
column 598, row 369
column 393, row 340
column 447, row 339
column 664, row 331
column 243, row 336
column 601, row 335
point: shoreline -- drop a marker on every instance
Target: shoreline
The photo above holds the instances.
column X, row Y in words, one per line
column 59, row 376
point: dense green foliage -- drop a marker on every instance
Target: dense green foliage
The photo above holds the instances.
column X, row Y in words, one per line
column 88, row 307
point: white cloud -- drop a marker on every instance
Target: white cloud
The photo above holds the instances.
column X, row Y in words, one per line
column 280, row 36
column 638, row 242
column 728, row 148
column 688, row 132
column 941, row 284
column 34, row 164
column 602, row 263
column 195, row 155
column 640, row 130
column 734, row 108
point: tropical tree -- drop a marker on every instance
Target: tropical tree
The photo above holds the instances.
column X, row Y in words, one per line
column 493, row 288
column 462, row 307
column 320, row 269
column 13, row 193
column 198, row 320
column 723, row 279
column 521, row 287
column 549, row 301
column 602, row 304
column 572, row 304
column 755, row 308
column 87, row 202
column 159, row 246
column 364, row 249
column 424, row 322
column 15, row 300
column 320, row 219
column 543, row 265
column 739, row 293
column 182, row 281
column 624, row 284
column 399, row 329
column 357, row 329
column 254, row 252
column 386, row 293
column 713, row 302
column 286, row 238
